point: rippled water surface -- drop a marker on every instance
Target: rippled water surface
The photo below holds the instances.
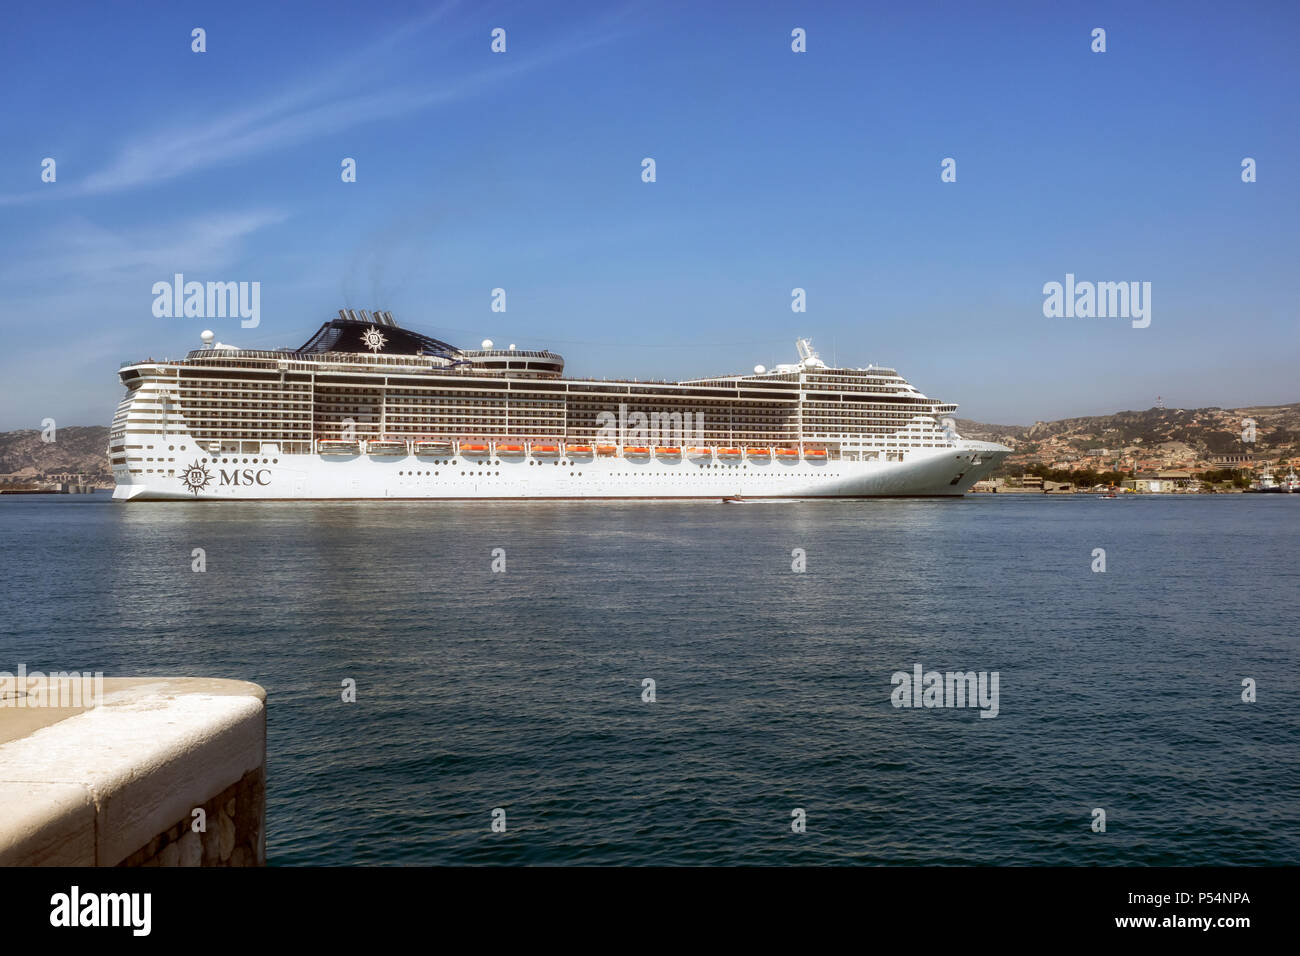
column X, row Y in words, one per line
column 523, row 690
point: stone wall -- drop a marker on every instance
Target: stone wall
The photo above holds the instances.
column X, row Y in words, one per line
column 234, row 834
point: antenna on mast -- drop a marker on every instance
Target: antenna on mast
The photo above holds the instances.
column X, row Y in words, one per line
column 807, row 354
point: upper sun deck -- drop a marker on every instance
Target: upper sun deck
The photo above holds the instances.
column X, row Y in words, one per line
column 360, row 341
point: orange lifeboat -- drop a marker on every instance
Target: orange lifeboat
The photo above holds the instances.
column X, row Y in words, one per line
column 584, row 450
column 607, row 451
column 816, row 453
column 546, row 451
column 636, row 450
column 787, row 453
column 665, row 451
column 700, row 452
column 759, row 452
column 729, row 453
column 473, row 449
column 510, row 451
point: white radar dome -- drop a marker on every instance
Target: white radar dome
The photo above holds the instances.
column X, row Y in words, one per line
column 208, row 336
column 759, row 370
column 487, row 343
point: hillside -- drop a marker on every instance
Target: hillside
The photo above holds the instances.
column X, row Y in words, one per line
column 76, row 449
column 1206, row 432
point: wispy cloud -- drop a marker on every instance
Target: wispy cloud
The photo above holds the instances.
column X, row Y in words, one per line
column 83, row 251
column 325, row 103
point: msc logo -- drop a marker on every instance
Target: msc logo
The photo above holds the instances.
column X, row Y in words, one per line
column 249, row 476
column 196, row 477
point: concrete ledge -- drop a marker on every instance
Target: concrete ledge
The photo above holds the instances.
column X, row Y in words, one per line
column 119, row 781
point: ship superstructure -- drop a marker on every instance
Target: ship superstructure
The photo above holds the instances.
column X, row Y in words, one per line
column 367, row 409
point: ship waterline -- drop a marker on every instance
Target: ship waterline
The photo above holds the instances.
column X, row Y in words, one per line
column 369, row 410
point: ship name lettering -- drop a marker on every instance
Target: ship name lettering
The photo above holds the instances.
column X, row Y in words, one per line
column 248, row 476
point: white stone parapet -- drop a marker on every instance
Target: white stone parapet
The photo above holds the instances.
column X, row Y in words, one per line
column 119, row 782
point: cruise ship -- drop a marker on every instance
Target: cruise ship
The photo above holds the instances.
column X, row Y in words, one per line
column 367, row 409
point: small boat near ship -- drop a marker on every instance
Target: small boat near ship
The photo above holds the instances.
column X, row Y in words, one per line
column 1266, row 484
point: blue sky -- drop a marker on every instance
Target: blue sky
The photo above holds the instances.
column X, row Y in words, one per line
column 775, row 170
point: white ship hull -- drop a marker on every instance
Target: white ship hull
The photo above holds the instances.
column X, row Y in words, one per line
column 942, row 472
